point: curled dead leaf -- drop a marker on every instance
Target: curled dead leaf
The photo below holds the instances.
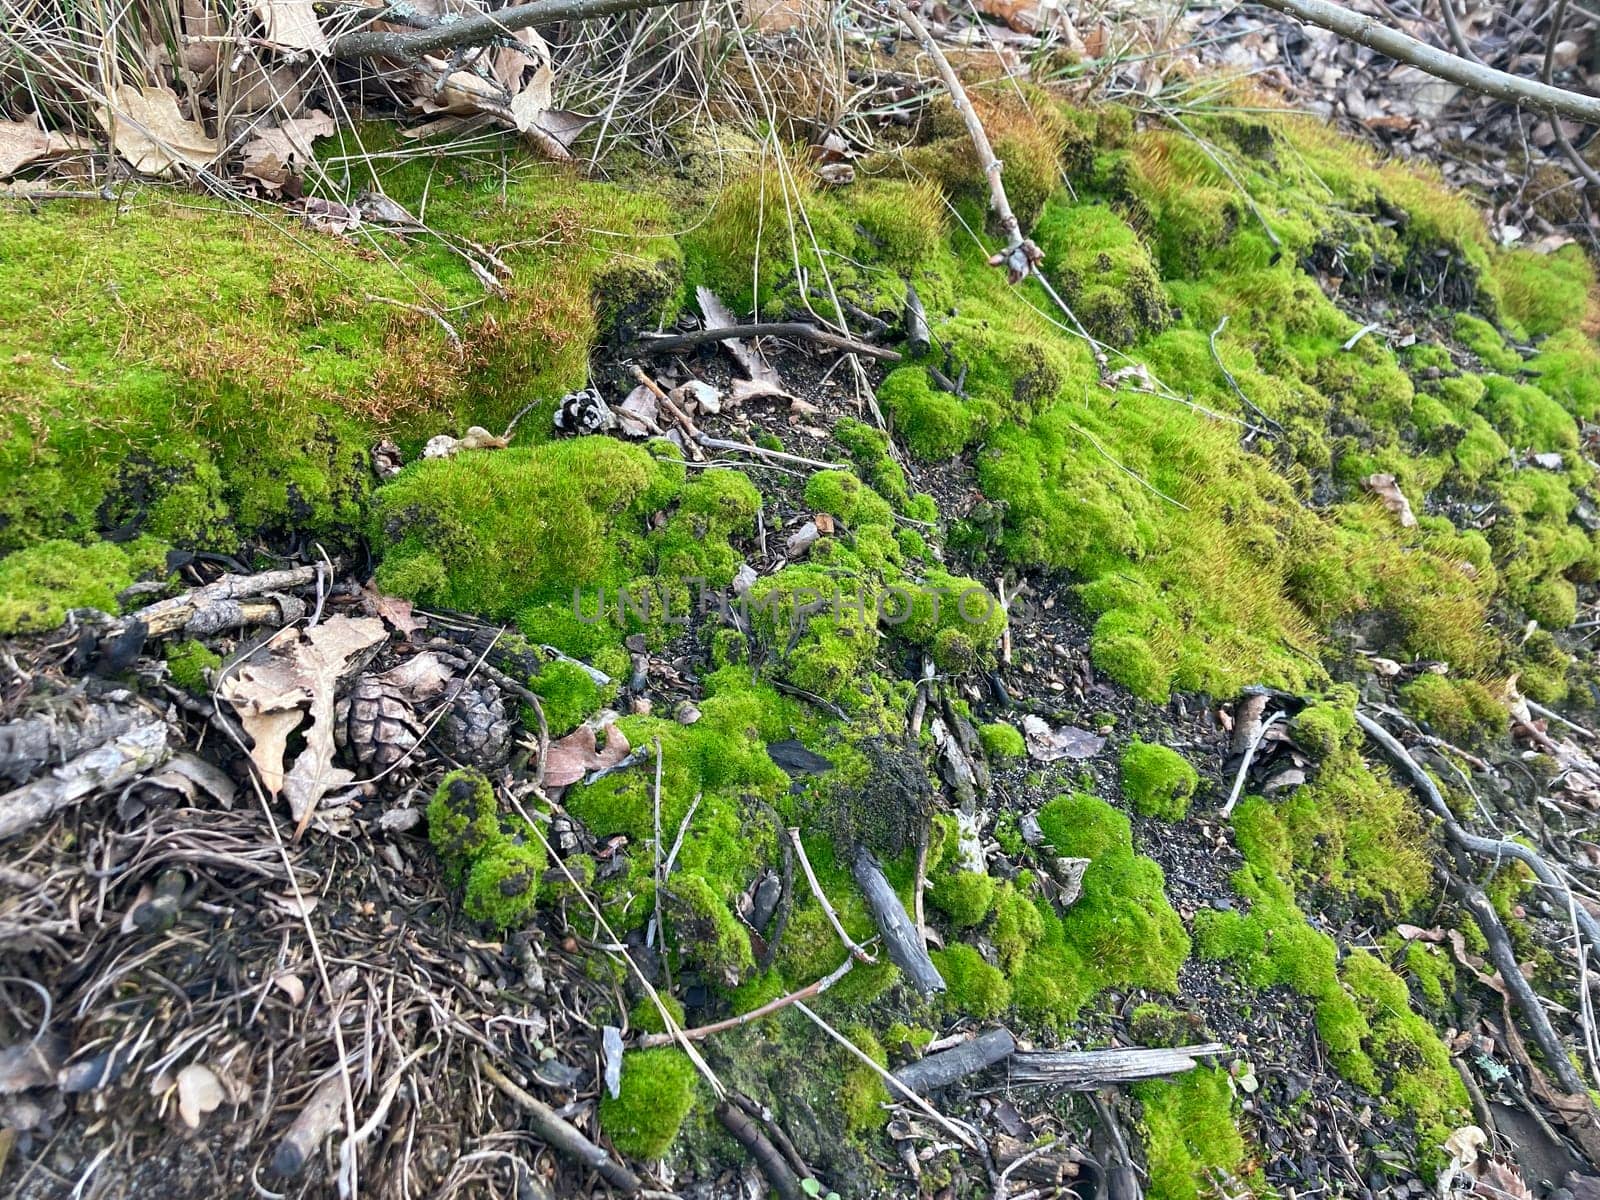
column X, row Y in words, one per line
column 199, row 1093
column 150, row 133
column 575, row 755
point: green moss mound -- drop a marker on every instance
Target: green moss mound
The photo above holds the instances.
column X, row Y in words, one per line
column 1190, row 1133
column 503, row 885
column 1157, row 781
column 657, row 1092
column 38, row 585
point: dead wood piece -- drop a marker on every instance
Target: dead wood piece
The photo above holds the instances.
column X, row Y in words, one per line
column 217, row 605
column 669, row 342
column 712, row 443
column 1086, row 1070
column 111, row 764
column 942, row 1069
column 64, row 730
column 918, row 336
column 899, row 932
column 1044, row 1164
column 560, row 1135
column 773, row 1165
column 780, row 1139
column 316, row 1121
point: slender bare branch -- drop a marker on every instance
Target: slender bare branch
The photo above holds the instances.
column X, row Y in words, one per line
column 1476, row 77
column 479, row 29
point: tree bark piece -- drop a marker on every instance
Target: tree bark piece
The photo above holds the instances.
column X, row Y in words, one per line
column 136, row 751
column 65, row 730
column 316, row 1121
column 1476, row 77
column 669, row 342
column 900, row 936
column 773, row 1165
column 560, row 1135
column 1087, row 1070
column 944, row 1068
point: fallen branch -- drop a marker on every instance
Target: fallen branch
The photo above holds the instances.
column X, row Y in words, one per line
column 111, row 764
column 942, row 1069
column 1087, row 1070
column 64, row 730
column 479, row 29
column 669, row 342
column 1020, row 255
column 1497, row 849
column 560, row 1135
column 900, row 935
column 221, row 604
column 773, row 1165
column 1476, row 77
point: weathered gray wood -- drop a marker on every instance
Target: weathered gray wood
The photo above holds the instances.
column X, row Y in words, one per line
column 900, row 935
column 944, row 1068
column 64, row 730
column 1086, row 1070
column 109, row 765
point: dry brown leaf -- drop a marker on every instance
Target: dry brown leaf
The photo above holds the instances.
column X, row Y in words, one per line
column 23, row 142
column 292, row 25
column 1383, row 486
column 393, row 609
column 199, row 1092
column 574, row 756
column 322, row 655
column 276, row 155
column 1050, row 745
column 150, row 132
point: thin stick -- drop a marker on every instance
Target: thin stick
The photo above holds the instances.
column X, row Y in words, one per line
column 712, row 443
column 655, row 805
column 560, row 1134
column 856, row 951
column 1020, row 255
column 683, row 828
column 1000, row 1186
column 668, row 343
column 815, row 988
column 1249, row 756
column 893, row 1084
column 1440, row 63
column 677, row 414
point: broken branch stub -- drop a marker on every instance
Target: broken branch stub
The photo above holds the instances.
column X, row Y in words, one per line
column 900, row 936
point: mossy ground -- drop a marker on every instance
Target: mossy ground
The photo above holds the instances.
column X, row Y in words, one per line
column 186, row 375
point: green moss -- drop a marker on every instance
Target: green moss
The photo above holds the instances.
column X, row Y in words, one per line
column 1544, row 293
column 503, row 884
column 188, row 663
column 1152, row 1024
column 1190, row 1133
column 973, row 987
column 1157, row 780
column 38, row 585
column 1324, row 726
column 862, row 1095
column 1103, row 271
column 963, row 896
column 933, row 424
column 657, row 1092
column 645, row 1016
column 1485, row 341
column 706, row 932
column 1459, row 710
column 1122, row 932
column 568, row 694
column 1017, row 926
column 1568, row 364
column 1001, row 740
column 463, row 820
column 1433, row 970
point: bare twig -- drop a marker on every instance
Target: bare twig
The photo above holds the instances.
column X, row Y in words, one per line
column 480, row 29
column 1020, row 256
column 1228, row 375
column 1474, row 77
column 560, row 1134
column 1244, row 766
column 857, row 952
column 815, row 988
column 712, row 443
